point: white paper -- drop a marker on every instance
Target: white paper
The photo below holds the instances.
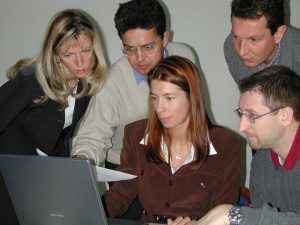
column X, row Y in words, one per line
column 107, row 175
column 40, row 153
column 103, row 174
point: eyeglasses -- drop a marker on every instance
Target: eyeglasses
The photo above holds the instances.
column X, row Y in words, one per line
column 250, row 117
column 144, row 49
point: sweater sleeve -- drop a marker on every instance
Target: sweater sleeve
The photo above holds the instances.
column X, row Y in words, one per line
column 14, row 97
column 269, row 215
column 93, row 138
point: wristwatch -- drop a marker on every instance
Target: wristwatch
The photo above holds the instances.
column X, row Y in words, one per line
column 235, row 215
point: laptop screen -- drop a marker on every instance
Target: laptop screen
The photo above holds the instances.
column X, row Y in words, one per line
column 52, row 190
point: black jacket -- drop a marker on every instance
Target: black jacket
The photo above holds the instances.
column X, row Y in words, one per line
column 25, row 125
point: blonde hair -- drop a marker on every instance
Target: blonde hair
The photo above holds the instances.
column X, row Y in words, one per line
column 64, row 27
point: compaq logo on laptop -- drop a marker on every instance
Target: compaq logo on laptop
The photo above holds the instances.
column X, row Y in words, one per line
column 57, row 215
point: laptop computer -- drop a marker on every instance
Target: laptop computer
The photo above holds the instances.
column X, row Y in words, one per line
column 55, row 191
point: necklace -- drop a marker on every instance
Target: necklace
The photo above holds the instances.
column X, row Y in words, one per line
column 180, row 152
column 74, row 85
column 177, row 156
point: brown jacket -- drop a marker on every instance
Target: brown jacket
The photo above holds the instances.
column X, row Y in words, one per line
column 187, row 192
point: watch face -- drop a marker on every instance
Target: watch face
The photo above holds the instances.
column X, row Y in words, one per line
column 235, row 215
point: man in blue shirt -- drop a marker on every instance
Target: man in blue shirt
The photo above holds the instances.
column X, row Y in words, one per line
column 141, row 25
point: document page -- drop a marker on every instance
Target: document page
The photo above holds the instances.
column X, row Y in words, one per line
column 103, row 174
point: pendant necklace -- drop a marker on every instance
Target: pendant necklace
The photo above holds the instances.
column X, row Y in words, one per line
column 177, row 156
column 177, row 153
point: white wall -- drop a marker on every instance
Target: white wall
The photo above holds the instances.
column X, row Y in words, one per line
column 201, row 24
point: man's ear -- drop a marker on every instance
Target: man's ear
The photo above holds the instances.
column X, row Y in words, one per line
column 279, row 33
column 286, row 116
column 165, row 38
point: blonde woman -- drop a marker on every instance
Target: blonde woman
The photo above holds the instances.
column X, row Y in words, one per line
column 46, row 96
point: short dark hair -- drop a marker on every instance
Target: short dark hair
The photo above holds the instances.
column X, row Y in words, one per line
column 273, row 10
column 144, row 14
column 279, row 85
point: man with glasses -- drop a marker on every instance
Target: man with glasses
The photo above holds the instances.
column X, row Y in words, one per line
column 250, row 117
column 141, row 25
column 269, row 112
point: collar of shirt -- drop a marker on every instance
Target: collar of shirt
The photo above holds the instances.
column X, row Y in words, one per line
column 274, row 60
column 139, row 78
column 212, row 151
column 293, row 155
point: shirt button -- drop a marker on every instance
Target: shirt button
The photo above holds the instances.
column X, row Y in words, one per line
column 170, row 182
column 167, row 204
column 142, row 172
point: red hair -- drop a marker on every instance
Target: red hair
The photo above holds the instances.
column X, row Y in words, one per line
column 183, row 73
